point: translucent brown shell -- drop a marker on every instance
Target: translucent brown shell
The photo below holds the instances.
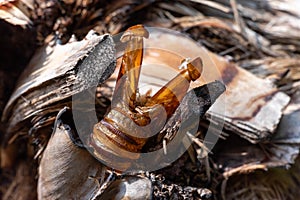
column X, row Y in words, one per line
column 121, row 134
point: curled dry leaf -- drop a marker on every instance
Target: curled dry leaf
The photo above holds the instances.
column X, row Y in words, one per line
column 67, row 171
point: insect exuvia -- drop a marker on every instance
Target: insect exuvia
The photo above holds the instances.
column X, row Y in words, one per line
column 120, row 136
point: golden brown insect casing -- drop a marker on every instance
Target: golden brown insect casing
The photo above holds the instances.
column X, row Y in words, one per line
column 119, row 137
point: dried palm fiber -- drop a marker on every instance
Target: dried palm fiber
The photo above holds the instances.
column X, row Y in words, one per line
column 283, row 72
column 275, row 38
column 258, row 36
column 268, row 171
column 275, row 183
column 65, row 18
column 281, row 150
column 222, row 65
